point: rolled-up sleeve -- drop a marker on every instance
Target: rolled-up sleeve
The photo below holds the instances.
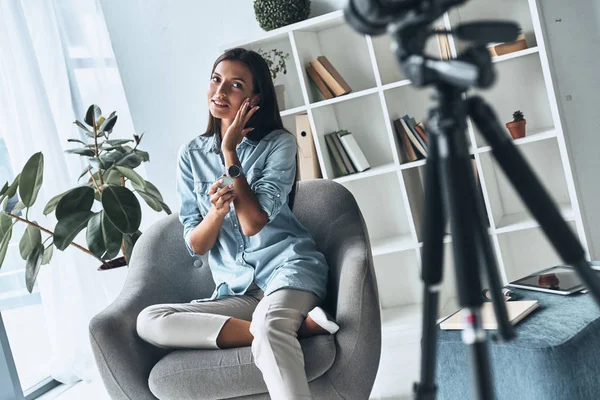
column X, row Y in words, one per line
column 189, row 213
column 278, row 175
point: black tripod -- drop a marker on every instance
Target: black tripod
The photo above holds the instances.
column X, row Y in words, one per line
column 449, row 180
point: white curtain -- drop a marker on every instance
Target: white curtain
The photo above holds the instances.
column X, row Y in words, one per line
column 56, row 60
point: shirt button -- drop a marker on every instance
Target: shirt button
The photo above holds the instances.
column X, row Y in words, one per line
column 241, row 245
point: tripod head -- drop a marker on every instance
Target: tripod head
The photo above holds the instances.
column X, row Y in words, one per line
column 409, row 24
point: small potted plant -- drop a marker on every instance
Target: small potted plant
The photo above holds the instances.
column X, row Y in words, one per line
column 517, row 125
column 276, row 60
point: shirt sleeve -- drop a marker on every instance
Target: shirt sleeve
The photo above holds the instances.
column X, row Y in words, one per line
column 275, row 183
column 189, row 213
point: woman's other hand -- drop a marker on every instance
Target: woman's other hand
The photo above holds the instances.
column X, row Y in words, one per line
column 221, row 199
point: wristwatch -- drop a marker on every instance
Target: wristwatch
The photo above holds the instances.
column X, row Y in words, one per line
column 234, row 171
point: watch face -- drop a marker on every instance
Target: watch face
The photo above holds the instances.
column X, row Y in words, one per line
column 234, row 171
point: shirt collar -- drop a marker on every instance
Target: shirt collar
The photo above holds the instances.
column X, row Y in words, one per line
column 216, row 142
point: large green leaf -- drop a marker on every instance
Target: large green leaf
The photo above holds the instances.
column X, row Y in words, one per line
column 150, row 200
column 12, row 189
column 79, row 141
column 103, row 239
column 112, row 177
column 112, row 237
column 79, row 199
column 81, row 151
column 67, row 228
column 108, row 124
column 129, row 241
column 122, row 208
column 133, row 176
column 130, row 160
column 92, row 115
column 152, row 197
column 51, row 206
column 113, row 157
column 5, row 235
column 34, row 261
column 48, row 254
column 96, row 163
column 30, row 240
column 18, row 208
column 31, row 179
column 4, row 189
column 143, row 155
column 118, row 142
column 84, row 128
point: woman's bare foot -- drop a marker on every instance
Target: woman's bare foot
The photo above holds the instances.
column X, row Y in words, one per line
column 311, row 328
column 318, row 322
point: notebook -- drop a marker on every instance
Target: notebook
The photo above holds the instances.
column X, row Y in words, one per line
column 517, row 310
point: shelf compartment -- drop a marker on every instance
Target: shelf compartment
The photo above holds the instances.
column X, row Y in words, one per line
column 508, row 210
column 387, row 223
column 387, row 64
column 398, row 279
column 527, row 251
column 332, row 40
column 512, row 10
column 414, row 180
column 370, row 132
column 291, row 80
column 519, row 85
column 530, row 138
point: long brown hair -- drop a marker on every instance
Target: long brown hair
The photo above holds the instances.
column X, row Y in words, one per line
column 267, row 118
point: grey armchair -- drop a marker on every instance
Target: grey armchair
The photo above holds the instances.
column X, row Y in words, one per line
column 340, row 366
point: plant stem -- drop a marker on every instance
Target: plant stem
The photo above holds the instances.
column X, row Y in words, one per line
column 93, row 180
column 96, row 150
column 52, row 234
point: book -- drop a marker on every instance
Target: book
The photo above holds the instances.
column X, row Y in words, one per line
column 330, row 76
column 412, row 136
column 316, row 78
column 336, row 162
column 420, row 128
column 354, row 152
column 517, row 310
column 308, row 162
column 443, row 44
column 408, row 151
column 412, row 124
column 343, row 153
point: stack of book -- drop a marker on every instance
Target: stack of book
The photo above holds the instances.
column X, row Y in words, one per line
column 413, row 138
column 346, row 156
column 326, row 78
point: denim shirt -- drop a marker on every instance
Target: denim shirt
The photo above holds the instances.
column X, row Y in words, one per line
column 283, row 254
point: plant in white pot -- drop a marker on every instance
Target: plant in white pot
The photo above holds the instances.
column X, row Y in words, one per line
column 276, row 60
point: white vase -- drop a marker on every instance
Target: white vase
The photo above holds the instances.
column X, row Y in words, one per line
column 280, row 94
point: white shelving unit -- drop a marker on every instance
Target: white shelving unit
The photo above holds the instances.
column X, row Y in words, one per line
column 390, row 194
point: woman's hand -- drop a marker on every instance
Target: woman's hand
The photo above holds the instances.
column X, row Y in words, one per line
column 221, row 198
column 236, row 132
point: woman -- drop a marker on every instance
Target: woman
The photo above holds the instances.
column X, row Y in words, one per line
column 268, row 274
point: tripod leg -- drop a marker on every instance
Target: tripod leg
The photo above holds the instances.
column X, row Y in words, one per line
column 459, row 197
column 533, row 193
column 431, row 273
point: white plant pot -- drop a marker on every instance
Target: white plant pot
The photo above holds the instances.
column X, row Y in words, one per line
column 280, row 94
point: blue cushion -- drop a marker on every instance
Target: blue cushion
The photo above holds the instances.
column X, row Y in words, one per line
column 556, row 354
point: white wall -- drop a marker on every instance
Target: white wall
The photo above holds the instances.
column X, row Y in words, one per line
column 165, row 51
column 573, row 34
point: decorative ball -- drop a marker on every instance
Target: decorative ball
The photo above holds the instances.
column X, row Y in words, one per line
column 273, row 14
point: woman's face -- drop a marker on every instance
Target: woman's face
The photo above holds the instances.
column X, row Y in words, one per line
column 230, row 84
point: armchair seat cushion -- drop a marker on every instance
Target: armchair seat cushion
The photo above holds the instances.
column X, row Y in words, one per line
column 228, row 373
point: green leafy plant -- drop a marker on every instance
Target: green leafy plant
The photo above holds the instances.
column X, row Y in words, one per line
column 273, row 14
column 276, row 60
column 114, row 224
column 518, row 116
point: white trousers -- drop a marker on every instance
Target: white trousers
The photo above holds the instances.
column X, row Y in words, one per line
column 275, row 320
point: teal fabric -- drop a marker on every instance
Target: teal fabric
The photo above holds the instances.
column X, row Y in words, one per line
column 556, row 354
column 283, row 254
